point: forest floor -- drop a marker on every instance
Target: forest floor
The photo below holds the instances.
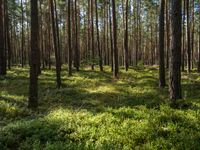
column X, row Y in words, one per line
column 94, row 111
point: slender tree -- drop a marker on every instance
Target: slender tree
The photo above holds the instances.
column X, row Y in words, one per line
column 115, row 52
column 188, row 38
column 126, row 62
column 199, row 41
column 98, row 40
column 33, row 87
column 56, row 47
column 167, row 33
column 161, row 44
column 7, row 34
column 175, row 52
column 183, row 37
column 22, row 34
column 92, row 31
column 2, row 41
column 192, row 34
column 69, row 40
column 77, row 51
column 111, row 38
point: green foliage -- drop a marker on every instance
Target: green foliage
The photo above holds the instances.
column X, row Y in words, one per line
column 94, row 111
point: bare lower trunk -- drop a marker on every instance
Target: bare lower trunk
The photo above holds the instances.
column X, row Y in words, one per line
column 175, row 52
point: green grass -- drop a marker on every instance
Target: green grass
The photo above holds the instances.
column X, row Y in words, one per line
column 94, row 111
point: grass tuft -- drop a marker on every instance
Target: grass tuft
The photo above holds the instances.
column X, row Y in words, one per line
column 93, row 111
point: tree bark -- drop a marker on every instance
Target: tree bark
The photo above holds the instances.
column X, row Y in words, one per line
column 69, row 40
column 77, row 51
column 2, row 41
column 92, row 32
column 167, row 33
column 162, row 45
column 33, row 86
column 22, row 34
column 111, row 39
column 115, row 52
column 7, row 35
column 183, row 36
column 188, row 38
column 192, row 36
column 126, row 62
column 175, row 52
column 55, row 41
column 98, row 41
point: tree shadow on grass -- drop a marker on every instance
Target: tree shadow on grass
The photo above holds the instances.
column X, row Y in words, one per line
column 128, row 91
column 96, row 101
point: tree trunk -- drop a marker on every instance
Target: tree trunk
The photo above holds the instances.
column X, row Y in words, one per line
column 111, row 39
column 183, row 29
column 162, row 45
column 92, row 33
column 2, row 41
column 33, row 87
column 168, row 33
column 126, row 62
column 199, row 41
column 98, row 41
column 192, row 36
column 69, row 40
column 188, row 38
column 115, row 52
column 175, row 52
column 58, row 37
column 77, row 51
column 22, row 34
column 7, row 34
column 55, row 41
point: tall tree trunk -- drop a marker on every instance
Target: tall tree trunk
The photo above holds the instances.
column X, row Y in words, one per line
column 168, row 33
column 192, row 35
column 161, row 44
column 115, row 52
column 107, row 36
column 92, row 32
column 77, row 51
column 188, row 38
column 199, row 41
column 175, row 58
column 126, row 62
column 22, row 34
column 111, row 38
column 7, row 34
column 58, row 36
column 104, row 33
column 98, row 41
column 49, row 39
column 58, row 64
column 69, row 40
column 183, row 29
column 33, row 87
column 88, row 32
column 28, row 35
column 41, row 38
column 2, row 41
column 137, row 31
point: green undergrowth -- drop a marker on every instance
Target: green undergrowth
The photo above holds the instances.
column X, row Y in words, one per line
column 94, row 111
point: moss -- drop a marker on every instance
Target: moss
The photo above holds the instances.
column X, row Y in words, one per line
column 94, row 111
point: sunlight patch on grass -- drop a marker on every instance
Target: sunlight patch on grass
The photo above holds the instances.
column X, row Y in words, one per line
column 12, row 98
column 94, row 111
column 102, row 89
